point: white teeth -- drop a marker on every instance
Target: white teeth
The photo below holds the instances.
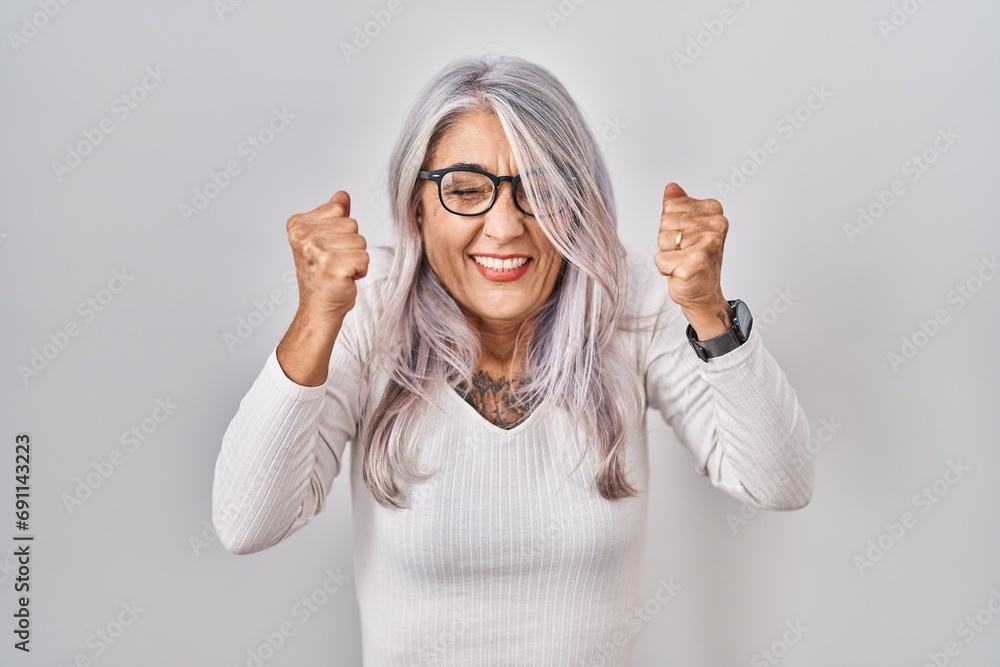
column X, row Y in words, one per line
column 500, row 264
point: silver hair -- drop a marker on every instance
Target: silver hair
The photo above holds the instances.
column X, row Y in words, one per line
column 571, row 355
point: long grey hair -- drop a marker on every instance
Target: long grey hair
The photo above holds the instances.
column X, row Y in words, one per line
column 571, row 355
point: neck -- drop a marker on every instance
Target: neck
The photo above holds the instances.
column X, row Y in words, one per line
column 497, row 352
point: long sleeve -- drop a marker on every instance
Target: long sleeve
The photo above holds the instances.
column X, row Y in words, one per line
column 283, row 449
column 737, row 414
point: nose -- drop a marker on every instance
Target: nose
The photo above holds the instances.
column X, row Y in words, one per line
column 504, row 221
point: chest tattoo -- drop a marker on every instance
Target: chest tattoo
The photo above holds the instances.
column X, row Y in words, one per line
column 494, row 400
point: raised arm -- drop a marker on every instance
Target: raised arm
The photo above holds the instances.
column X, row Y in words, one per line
column 284, row 447
column 736, row 413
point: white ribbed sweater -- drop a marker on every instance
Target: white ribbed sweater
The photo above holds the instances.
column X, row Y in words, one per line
column 502, row 559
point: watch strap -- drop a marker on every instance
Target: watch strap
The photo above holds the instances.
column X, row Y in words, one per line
column 725, row 342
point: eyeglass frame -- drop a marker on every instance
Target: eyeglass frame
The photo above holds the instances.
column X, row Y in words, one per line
column 438, row 174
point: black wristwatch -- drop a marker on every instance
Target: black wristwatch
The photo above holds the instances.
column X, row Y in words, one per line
column 735, row 336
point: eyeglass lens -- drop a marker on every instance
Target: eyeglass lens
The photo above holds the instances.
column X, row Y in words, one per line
column 470, row 193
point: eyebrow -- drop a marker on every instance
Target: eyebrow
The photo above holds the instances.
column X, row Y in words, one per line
column 467, row 165
column 475, row 165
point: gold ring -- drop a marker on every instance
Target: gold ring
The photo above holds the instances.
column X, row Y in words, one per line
column 677, row 240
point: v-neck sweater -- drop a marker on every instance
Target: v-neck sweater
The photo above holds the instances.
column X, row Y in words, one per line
column 503, row 557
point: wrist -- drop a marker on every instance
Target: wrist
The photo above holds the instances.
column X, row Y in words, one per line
column 710, row 322
column 318, row 316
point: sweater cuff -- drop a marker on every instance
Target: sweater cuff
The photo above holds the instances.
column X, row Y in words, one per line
column 288, row 387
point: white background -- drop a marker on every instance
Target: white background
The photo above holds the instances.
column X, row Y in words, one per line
column 847, row 302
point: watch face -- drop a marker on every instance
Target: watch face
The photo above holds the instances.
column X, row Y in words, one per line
column 743, row 318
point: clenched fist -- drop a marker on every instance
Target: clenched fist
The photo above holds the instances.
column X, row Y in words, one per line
column 694, row 269
column 329, row 256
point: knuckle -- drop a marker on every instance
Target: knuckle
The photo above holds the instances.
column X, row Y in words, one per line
column 296, row 236
column 669, row 220
column 314, row 248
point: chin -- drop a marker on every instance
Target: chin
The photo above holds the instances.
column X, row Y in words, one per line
column 500, row 308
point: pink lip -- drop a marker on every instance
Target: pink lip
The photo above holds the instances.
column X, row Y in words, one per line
column 501, row 276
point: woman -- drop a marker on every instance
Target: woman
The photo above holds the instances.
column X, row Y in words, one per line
column 492, row 372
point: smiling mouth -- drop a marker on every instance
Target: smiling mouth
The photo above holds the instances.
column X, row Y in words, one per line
column 500, row 265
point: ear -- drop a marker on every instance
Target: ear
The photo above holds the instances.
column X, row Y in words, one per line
column 420, row 213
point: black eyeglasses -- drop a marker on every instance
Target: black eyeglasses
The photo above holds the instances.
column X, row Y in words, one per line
column 470, row 191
